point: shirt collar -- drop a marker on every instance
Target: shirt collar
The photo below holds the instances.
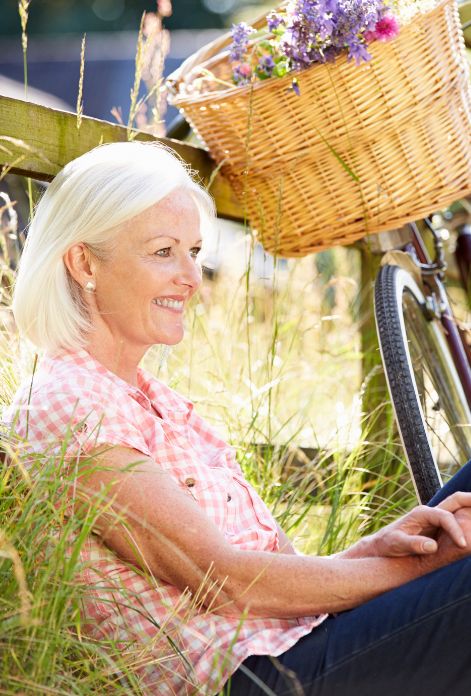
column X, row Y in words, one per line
column 165, row 400
column 149, row 393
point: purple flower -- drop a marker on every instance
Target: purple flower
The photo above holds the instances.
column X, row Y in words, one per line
column 318, row 30
column 274, row 20
column 265, row 66
column 240, row 40
column 314, row 31
column 331, row 6
column 358, row 52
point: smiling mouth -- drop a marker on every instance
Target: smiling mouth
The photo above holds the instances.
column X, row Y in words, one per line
column 169, row 304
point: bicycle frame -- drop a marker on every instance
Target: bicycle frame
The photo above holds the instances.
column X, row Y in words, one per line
column 439, row 307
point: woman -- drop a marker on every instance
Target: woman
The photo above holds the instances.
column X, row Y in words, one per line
column 186, row 563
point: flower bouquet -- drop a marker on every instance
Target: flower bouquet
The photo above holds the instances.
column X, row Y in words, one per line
column 334, row 119
column 307, row 32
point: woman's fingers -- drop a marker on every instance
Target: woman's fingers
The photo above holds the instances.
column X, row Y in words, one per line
column 456, row 501
column 420, row 545
column 440, row 518
column 402, row 544
column 423, row 530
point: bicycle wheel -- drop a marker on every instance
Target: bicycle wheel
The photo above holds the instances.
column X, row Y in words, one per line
column 430, row 406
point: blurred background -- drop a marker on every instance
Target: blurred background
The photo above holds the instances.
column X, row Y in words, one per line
column 55, row 30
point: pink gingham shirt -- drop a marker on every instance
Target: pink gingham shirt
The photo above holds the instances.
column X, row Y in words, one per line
column 178, row 648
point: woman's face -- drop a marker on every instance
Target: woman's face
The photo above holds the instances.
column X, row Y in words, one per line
column 143, row 287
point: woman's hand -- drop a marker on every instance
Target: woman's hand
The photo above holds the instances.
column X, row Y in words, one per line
column 447, row 551
column 421, row 530
column 416, row 532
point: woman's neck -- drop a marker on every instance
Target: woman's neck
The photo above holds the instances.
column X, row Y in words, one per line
column 123, row 360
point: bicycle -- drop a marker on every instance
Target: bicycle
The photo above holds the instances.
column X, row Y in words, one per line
column 426, row 358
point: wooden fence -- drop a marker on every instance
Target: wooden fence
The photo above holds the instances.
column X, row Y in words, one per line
column 37, row 141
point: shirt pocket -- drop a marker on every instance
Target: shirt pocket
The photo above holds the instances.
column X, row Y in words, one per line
column 261, row 513
column 210, row 487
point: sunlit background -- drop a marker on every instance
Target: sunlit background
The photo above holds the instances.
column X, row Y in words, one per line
column 55, row 30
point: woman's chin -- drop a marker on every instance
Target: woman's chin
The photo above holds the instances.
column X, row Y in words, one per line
column 173, row 339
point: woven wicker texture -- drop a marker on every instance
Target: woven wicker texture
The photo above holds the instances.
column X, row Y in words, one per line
column 361, row 150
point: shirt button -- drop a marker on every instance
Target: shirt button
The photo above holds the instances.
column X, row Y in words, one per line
column 190, row 482
column 229, row 497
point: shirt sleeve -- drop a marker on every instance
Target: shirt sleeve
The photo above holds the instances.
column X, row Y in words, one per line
column 65, row 418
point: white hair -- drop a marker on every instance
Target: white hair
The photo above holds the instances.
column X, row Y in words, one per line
column 86, row 201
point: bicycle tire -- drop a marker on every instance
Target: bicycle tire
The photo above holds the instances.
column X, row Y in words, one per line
column 405, row 329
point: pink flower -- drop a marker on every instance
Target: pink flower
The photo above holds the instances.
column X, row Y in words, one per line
column 241, row 74
column 387, row 28
column 245, row 69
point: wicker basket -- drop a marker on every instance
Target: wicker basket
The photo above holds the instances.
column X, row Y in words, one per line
column 361, row 150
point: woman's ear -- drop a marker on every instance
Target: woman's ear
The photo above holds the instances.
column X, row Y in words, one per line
column 78, row 261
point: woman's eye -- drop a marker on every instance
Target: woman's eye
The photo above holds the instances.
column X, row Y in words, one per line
column 166, row 252
column 163, row 252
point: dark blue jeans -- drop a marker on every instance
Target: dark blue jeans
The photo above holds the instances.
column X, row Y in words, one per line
column 411, row 641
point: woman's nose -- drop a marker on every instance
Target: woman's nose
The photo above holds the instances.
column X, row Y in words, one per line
column 190, row 272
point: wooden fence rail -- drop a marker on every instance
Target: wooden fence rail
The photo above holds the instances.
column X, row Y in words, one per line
column 37, row 141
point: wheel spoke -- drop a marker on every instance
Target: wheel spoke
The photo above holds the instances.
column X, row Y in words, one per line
column 448, row 443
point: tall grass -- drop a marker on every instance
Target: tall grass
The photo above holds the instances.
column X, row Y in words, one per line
column 43, row 649
column 80, row 83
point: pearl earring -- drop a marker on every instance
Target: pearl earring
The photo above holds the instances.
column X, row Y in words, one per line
column 89, row 286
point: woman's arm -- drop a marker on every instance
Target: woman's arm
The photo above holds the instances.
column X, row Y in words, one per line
column 155, row 524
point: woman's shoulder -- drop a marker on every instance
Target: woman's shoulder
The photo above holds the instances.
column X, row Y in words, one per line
column 63, row 397
column 60, row 390
column 58, row 380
